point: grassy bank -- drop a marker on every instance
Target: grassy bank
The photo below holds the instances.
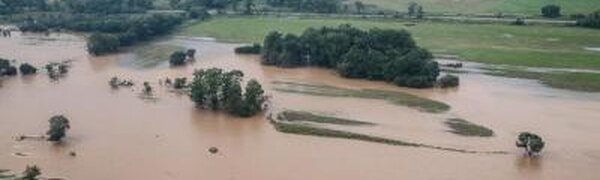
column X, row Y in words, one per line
column 299, row 116
column 539, row 46
column 578, row 81
column 465, row 128
column 398, row 98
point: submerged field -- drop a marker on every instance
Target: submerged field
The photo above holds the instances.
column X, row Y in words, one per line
column 118, row 135
column 529, row 46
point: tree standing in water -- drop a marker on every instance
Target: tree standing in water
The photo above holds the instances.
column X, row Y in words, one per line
column 147, row 88
column 58, row 127
column 532, row 143
column 31, row 173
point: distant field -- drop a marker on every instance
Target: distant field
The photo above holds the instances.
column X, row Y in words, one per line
column 530, row 7
column 536, row 46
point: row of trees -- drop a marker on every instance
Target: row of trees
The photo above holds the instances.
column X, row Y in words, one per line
column 112, row 33
column 318, row 6
column 377, row 54
column 7, row 69
column 217, row 89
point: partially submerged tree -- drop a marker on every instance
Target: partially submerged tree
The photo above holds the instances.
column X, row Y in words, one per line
column 191, row 53
column 532, row 143
column 448, row 81
column 31, row 173
column 6, row 69
column 180, row 83
column 147, row 88
column 58, row 126
column 177, row 58
column 27, row 69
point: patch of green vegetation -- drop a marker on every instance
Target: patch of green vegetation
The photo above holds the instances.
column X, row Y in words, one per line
column 152, row 55
column 398, row 98
column 295, row 116
column 577, row 81
column 466, row 128
column 535, row 46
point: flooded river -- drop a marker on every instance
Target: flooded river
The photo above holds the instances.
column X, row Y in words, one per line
column 117, row 135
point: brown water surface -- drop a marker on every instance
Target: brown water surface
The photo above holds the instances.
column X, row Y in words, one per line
column 117, row 135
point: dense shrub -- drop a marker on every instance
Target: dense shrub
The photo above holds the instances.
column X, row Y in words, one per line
column 519, row 22
column 592, row 20
column 101, row 43
column 448, row 81
column 197, row 12
column 27, row 69
column 177, row 58
column 249, row 49
column 377, row 54
column 551, row 11
column 213, row 88
column 6, row 69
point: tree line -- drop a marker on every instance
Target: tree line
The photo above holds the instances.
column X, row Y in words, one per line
column 376, row 54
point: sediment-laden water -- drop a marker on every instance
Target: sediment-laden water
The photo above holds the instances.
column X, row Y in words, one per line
column 117, row 135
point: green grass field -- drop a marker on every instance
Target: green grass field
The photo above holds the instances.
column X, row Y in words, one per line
column 535, row 46
column 529, row 7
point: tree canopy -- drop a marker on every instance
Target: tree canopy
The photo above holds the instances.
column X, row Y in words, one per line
column 377, row 54
column 532, row 143
column 217, row 89
column 58, row 126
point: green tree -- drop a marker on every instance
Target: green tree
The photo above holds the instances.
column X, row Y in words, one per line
column 253, row 98
column 532, row 143
column 58, row 126
column 551, row 11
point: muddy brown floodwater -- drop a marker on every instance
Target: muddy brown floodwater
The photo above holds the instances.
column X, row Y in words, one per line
column 116, row 135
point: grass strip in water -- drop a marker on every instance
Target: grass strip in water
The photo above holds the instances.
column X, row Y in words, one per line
column 295, row 116
column 465, row 128
column 398, row 98
column 152, row 55
column 290, row 127
column 576, row 81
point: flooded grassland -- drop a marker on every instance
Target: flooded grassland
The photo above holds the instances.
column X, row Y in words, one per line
column 117, row 135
